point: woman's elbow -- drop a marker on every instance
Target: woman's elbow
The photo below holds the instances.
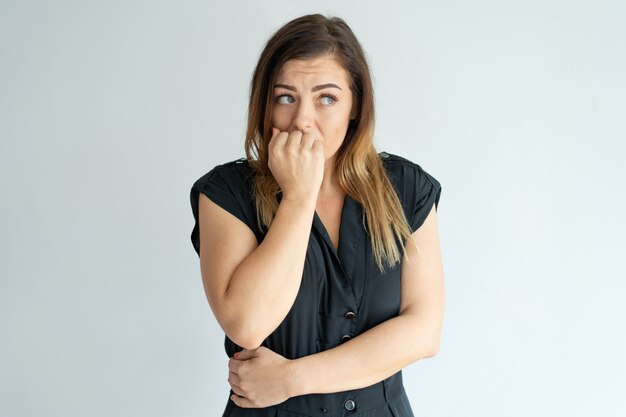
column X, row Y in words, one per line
column 244, row 337
column 425, row 352
column 246, row 342
column 433, row 351
column 430, row 347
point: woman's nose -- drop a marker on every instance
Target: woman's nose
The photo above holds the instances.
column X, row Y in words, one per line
column 303, row 119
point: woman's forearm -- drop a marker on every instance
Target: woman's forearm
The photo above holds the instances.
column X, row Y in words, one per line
column 264, row 286
column 366, row 359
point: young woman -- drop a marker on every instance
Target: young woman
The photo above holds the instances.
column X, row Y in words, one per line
column 320, row 257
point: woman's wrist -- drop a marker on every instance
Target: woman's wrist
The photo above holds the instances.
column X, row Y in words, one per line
column 303, row 199
column 298, row 382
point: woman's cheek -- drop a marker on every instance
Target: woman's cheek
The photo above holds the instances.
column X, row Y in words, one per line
column 281, row 119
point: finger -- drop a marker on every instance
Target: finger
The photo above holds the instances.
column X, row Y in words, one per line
column 308, row 140
column 279, row 140
column 242, row 401
column 233, row 366
column 275, row 133
column 238, row 391
column 245, row 355
column 234, row 383
column 294, row 140
column 318, row 145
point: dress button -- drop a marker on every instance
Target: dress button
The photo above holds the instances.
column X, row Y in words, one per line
column 349, row 405
column 350, row 315
column 345, row 338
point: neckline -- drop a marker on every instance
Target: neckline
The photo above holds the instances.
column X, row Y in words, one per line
column 317, row 221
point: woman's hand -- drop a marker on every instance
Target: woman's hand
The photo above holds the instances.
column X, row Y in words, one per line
column 297, row 162
column 260, row 378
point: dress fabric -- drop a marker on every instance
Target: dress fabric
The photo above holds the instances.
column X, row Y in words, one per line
column 342, row 293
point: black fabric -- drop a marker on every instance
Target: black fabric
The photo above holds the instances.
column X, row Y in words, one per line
column 334, row 282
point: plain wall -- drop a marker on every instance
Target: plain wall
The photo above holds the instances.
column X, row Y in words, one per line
column 110, row 110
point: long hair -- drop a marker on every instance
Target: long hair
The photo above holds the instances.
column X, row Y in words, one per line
column 359, row 169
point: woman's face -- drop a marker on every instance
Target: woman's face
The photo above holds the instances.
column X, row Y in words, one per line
column 314, row 96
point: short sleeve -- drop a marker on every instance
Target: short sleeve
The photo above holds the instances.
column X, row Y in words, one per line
column 226, row 186
column 417, row 189
column 427, row 192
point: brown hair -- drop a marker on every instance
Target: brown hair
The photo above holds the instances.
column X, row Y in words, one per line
column 359, row 168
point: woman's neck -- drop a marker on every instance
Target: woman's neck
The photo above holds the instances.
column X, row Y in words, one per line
column 330, row 182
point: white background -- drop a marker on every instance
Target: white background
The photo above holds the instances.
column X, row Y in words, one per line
column 110, row 110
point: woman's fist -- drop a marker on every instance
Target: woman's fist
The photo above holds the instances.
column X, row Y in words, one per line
column 297, row 162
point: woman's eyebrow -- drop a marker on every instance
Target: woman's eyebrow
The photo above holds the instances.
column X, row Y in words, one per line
column 314, row 89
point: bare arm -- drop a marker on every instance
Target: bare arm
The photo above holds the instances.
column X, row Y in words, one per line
column 252, row 288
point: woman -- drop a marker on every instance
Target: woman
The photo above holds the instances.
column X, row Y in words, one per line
column 319, row 256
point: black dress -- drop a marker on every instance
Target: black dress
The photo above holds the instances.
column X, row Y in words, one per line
column 342, row 293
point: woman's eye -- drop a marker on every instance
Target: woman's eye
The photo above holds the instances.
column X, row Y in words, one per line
column 328, row 100
column 284, row 99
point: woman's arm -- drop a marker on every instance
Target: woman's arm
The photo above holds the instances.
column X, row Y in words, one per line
column 252, row 288
column 367, row 358
column 390, row 346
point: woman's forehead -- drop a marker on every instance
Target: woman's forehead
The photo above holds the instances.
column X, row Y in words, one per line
column 326, row 66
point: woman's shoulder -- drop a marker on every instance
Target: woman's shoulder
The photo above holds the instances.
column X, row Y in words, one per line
column 231, row 172
column 403, row 171
column 229, row 186
column 395, row 163
column 418, row 189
